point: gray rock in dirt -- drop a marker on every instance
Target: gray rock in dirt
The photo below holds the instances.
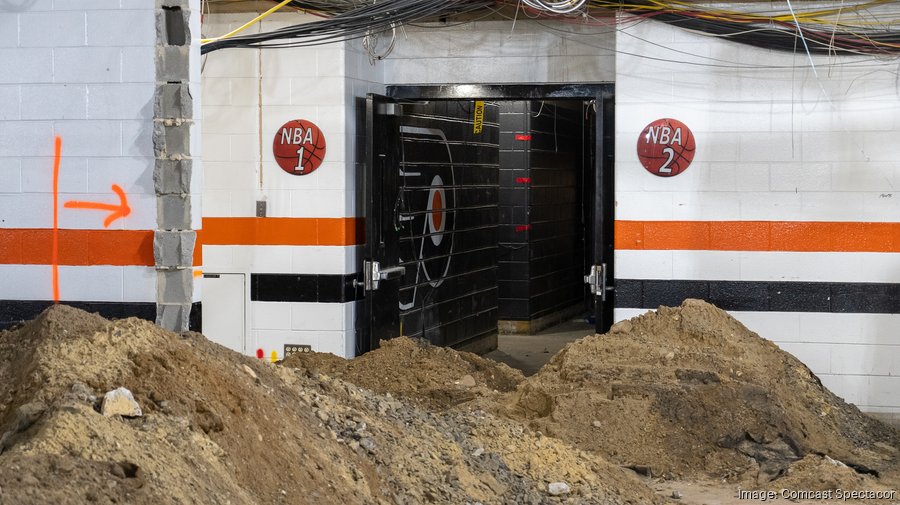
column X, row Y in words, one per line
column 622, row 327
column 466, row 381
column 83, row 392
column 559, row 488
column 368, row 444
column 26, row 415
column 120, row 402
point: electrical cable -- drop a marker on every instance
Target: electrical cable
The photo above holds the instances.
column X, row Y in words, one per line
column 863, row 27
column 248, row 24
column 351, row 24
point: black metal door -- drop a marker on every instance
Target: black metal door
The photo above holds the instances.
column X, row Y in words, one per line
column 381, row 316
column 602, row 245
column 431, row 193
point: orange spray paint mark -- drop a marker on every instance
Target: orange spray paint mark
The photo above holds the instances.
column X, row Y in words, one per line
column 54, row 256
column 115, row 211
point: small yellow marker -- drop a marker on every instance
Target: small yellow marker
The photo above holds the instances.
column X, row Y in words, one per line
column 274, row 356
column 478, row 123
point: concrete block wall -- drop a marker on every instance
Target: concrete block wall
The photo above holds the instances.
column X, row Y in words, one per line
column 82, row 71
column 177, row 160
column 792, row 189
column 808, row 178
column 293, row 274
column 498, row 52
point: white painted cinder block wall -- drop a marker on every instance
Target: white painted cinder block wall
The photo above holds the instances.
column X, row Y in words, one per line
column 247, row 95
column 774, row 143
column 85, row 71
column 500, row 52
column 770, row 147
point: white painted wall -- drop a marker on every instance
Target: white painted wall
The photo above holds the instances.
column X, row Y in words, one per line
column 502, row 52
column 771, row 147
column 84, row 71
column 247, row 95
column 774, row 143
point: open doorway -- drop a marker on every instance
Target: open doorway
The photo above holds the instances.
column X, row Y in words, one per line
column 486, row 210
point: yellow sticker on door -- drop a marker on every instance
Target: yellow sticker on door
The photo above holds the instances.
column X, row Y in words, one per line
column 479, row 116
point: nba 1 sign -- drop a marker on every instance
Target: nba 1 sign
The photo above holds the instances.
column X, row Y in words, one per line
column 666, row 147
column 299, row 147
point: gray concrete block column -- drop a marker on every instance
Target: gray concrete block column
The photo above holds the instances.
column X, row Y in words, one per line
column 174, row 240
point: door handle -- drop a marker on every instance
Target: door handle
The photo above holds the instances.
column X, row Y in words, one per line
column 391, row 273
column 373, row 274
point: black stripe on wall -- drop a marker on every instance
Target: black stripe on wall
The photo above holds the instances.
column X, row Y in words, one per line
column 13, row 312
column 763, row 296
column 303, row 288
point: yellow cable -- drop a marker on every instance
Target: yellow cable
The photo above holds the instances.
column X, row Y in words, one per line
column 247, row 25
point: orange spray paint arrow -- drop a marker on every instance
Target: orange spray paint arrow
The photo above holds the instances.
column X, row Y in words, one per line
column 115, row 211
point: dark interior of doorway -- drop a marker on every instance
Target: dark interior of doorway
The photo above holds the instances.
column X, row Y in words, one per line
column 495, row 220
column 545, row 158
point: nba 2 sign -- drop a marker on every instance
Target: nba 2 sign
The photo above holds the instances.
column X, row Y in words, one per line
column 299, row 147
column 666, row 147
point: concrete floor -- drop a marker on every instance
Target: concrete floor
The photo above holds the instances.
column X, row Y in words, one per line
column 529, row 353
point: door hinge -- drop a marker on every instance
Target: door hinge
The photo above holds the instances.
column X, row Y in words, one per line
column 387, row 109
column 596, row 279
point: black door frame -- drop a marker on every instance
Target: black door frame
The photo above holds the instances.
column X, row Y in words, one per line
column 603, row 95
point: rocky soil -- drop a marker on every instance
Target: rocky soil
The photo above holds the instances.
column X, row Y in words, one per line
column 436, row 377
column 220, row 428
column 690, row 392
column 623, row 418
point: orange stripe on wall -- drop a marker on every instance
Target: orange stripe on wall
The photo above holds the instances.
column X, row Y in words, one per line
column 789, row 236
column 22, row 246
column 282, row 231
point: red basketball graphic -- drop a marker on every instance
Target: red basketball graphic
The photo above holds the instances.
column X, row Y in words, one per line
column 299, row 147
column 666, row 147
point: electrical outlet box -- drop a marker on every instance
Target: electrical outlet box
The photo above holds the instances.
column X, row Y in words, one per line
column 295, row 348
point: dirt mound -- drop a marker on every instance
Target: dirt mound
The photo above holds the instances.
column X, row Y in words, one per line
column 689, row 391
column 218, row 427
column 436, row 377
column 821, row 473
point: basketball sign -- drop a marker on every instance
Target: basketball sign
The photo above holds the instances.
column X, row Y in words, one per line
column 299, row 147
column 666, row 147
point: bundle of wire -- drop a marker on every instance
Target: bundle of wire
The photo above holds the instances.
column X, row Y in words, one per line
column 357, row 21
column 556, row 7
column 849, row 28
column 845, row 29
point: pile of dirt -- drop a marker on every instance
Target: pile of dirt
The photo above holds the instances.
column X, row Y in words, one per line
column 436, row 377
column 689, row 391
column 821, row 473
column 218, row 428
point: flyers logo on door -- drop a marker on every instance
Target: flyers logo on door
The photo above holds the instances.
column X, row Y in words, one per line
column 425, row 216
